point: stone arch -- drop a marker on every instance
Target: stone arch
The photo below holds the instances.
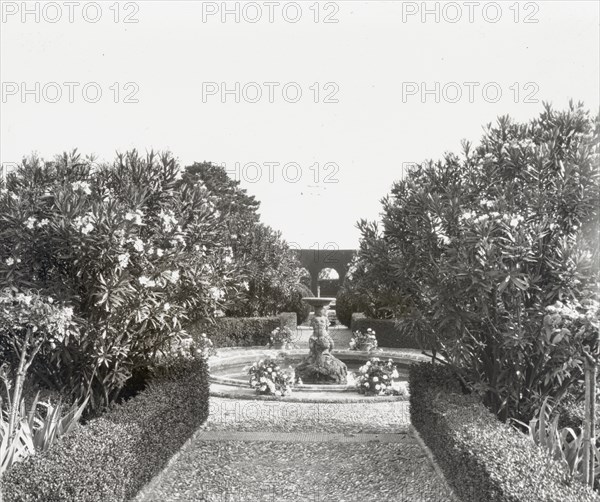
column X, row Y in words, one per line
column 329, row 282
column 315, row 260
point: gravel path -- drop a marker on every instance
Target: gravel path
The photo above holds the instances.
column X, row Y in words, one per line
column 300, row 452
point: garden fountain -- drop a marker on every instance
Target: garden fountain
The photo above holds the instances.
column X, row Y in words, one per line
column 326, row 374
column 320, row 366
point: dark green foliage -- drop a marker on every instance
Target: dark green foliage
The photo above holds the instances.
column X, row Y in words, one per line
column 296, row 304
column 269, row 271
column 236, row 331
column 387, row 333
column 132, row 250
column 345, row 306
column 474, row 249
column 482, row 458
column 112, row 457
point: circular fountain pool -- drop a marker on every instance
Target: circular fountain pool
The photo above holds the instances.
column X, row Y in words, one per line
column 229, row 373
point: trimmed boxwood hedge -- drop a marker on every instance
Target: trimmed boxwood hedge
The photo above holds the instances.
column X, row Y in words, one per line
column 482, row 458
column 236, row 331
column 386, row 331
column 113, row 456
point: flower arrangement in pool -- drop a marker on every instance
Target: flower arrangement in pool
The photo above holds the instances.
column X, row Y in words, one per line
column 267, row 377
column 379, row 378
column 280, row 336
column 363, row 341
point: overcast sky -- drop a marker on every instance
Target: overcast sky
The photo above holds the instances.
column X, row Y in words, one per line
column 322, row 106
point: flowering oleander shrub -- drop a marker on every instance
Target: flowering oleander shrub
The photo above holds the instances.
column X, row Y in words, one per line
column 379, row 378
column 473, row 248
column 135, row 250
column 280, row 335
column 361, row 340
column 269, row 272
column 267, row 377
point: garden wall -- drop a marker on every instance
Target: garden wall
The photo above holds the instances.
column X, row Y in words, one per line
column 386, row 331
column 112, row 457
column 482, row 458
column 236, row 331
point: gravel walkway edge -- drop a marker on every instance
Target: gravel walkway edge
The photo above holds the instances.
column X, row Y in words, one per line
column 415, row 433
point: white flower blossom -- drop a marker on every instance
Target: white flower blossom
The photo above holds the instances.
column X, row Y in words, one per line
column 138, row 245
column 83, row 186
column 135, row 216
column 445, row 239
column 10, row 261
column 515, row 220
column 147, row 282
column 168, row 220
column 173, row 276
column 216, row 293
column 30, row 223
column 123, row 260
column 84, row 224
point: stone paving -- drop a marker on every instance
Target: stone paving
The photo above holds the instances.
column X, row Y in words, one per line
column 251, row 450
column 264, row 451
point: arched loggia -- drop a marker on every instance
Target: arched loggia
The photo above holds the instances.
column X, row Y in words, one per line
column 316, row 260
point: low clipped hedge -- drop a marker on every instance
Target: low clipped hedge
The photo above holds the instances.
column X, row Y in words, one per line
column 236, row 331
column 482, row 458
column 112, row 457
column 388, row 335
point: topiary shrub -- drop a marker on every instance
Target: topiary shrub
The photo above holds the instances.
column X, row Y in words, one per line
column 113, row 456
column 297, row 305
column 236, row 331
column 345, row 306
column 481, row 457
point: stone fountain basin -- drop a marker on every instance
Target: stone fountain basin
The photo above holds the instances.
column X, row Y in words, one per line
column 229, row 367
column 318, row 301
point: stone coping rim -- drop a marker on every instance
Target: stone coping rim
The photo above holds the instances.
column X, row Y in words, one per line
column 294, row 398
column 239, row 389
column 237, row 355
